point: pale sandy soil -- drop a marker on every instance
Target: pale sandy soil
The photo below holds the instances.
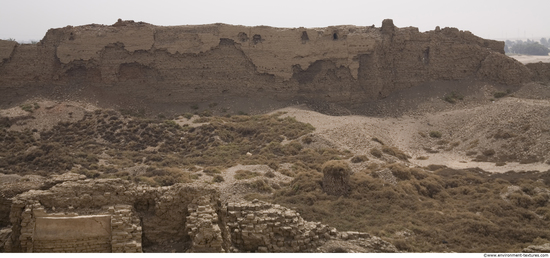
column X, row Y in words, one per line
column 355, row 133
column 525, row 59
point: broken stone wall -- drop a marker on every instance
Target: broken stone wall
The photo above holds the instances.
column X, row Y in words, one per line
column 112, row 229
column 265, row 227
column 203, row 226
column 114, row 215
column 5, row 206
column 138, row 214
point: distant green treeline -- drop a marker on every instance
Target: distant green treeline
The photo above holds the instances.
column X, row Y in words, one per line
column 529, row 47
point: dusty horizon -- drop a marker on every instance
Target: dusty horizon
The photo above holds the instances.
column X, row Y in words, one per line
column 487, row 19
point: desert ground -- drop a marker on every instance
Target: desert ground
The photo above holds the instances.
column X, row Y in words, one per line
column 483, row 133
column 527, row 59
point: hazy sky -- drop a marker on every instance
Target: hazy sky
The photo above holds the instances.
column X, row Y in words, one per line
column 497, row 19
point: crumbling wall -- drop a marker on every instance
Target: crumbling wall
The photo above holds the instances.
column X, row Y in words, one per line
column 264, row 227
column 203, row 226
column 5, row 206
column 540, row 71
column 126, row 229
column 111, row 229
column 71, row 234
column 114, row 215
column 6, row 49
column 127, row 63
column 138, row 213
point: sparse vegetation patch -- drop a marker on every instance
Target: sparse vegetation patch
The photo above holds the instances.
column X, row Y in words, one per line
column 435, row 134
column 453, row 97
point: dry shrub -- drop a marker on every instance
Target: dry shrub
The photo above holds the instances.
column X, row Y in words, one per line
column 218, row 179
column 435, row 134
column 395, row 152
column 245, row 174
column 400, row 171
column 461, row 207
column 307, row 140
column 146, row 180
column 211, row 171
column 376, row 152
column 269, row 174
column 287, row 172
column 336, row 177
column 434, row 167
column 260, row 185
column 418, row 173
column 489, row 152
column 273, row 165
column 359, row 159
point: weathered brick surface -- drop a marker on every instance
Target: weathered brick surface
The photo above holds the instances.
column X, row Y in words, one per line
column 202, row 226
column 201, row 62
column 179, row 213
column 264, row 227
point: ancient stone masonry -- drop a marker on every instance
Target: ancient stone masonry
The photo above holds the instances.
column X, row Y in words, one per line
column 125, row 230
column 202, row 226
column 264, row 227
column 113, row 215
column 114, row 229
column 132, row 61
column 134, row 212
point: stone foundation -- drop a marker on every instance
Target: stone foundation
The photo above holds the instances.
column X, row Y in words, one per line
column 113, row 215
column 264, row 227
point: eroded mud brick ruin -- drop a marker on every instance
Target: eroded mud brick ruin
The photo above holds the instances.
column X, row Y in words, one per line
column 134, row 64
column 113, row 215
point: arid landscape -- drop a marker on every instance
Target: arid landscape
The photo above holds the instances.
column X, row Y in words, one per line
column 222, row 138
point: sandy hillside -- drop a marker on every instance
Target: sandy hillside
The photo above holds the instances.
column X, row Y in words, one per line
column 523, row 123
column 494, row 134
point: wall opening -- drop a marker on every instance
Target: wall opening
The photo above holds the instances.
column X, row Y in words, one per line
column 305, row 37
column 426, row 56
column 334, row 36
column 257, row 39
column 242, row 37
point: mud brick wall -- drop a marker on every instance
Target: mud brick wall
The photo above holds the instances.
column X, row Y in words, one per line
column 125, row 230
column 139, row 214
column 83, row 245
column 5, row 206
column 164, row 211
column 68, row 218
column 264, row 227
column 26, row 226
column 202, row 226
column 540, row 71
column 201, row 63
